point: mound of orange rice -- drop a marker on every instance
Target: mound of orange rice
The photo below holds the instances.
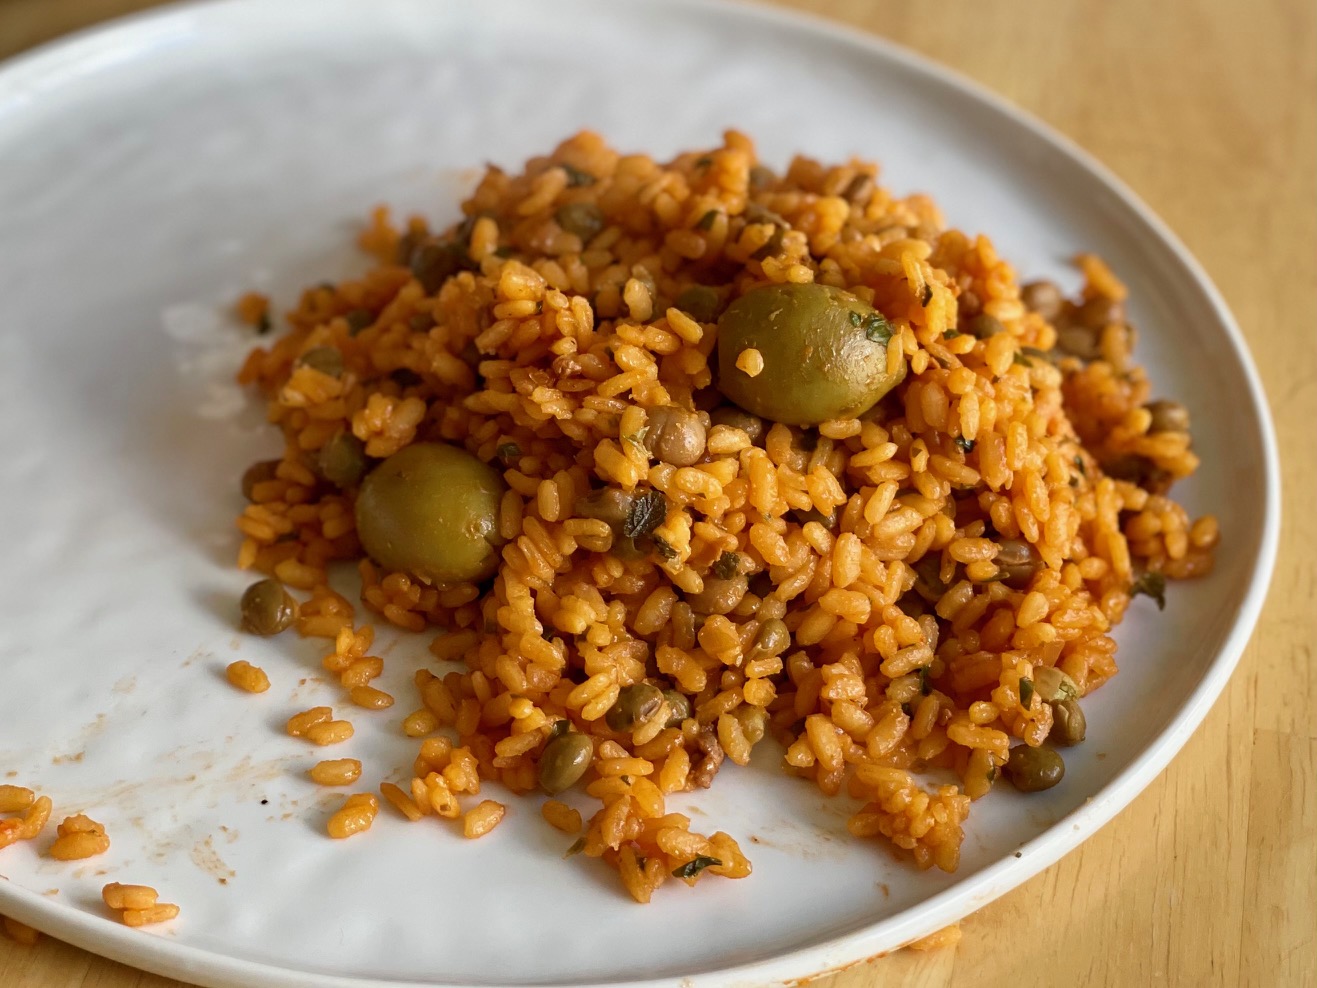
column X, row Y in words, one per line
column 874, row 539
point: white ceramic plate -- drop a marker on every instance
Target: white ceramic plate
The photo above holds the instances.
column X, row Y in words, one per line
column 153, row 170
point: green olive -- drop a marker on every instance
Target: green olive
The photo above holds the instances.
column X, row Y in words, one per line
column 432, row 510
column 258, row 473
column 718, row 596
column 679, row 707
column 754, row 721
column 267, row 608
column 564, row 760
column 1034, row 769
column 342, row 460
column 1168, row 416
column 734, row 418
column 1051, row 683
column 772, row 639
column 581, row 218
column 325, row 359
column 824, row 352
column 700, row 302
column 635, row 704
column 1069, row 725
column 1017, row 562
column 675, row 435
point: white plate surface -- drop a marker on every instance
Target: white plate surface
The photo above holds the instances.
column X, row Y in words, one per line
column 151, row 171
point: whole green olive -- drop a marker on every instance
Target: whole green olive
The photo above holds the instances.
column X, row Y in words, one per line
column 1034, row 769
column 564, row 760
column 824, row 353
column 635, row 705
column 267, row 608
column 432, row 510
column 325, row 359
column 772, row 639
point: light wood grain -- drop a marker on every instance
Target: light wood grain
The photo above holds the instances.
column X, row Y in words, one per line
column 1209, row 110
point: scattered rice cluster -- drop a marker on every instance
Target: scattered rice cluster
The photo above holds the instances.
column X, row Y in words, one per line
column 79, row 837
column 137, row 905
column 546, row 350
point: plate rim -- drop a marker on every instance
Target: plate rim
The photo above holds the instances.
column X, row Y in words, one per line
column 20, row 83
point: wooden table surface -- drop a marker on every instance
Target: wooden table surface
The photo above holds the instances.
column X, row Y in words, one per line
column 1209, row 110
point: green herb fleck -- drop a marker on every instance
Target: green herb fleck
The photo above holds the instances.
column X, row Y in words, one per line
column 559, row 728
column 966, row 445
column 727, row 566
column 704, row 162
column 508, row 451
column 648, row 511
column 924, row 688
column 637, row 439
column 927, row 295
column 1026, row 692
column 1151, row 584
column 665, row 550
column 950, row 334
column 855, row 318
column 707, row 220
column 1021, row 359
column 577, row 847
column 1079, row 465
column 576, row 177
column 992, row 775
column 696, row 865
column 877, row 329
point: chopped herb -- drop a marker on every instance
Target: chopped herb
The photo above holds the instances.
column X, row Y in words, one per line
column 769, row 246
column 1036, row 354
column 1079, row 465
column 508, row 451
column 927, row 295
column 992, row 775
column 855, row 318
column 576, row 177
column 966, row 445
column 727, row 566
column 539, row 307
column 626, row 779
column 923, row 680
column 704, row 162
column 950, row 334
column 559, row 728
column 1026, row 692
column 647, row 512
column 707, row 220
column 547, row 635
column 577, row 847
column 907, row 709
column 1021, row 359
column 665, row 550
column 503, row 251
column 1152, row 584
column 877, row 329
column 637, row 439
column 263, row 324
column 694, row 866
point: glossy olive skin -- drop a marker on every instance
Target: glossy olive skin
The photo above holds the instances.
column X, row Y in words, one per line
column 819, row 364
column 267, row 608
column 1034, row 769
column 432, row 509
column 564, row 760
column 635, row 705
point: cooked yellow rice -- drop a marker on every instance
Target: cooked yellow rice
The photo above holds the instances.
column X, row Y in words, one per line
column 543, row 357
